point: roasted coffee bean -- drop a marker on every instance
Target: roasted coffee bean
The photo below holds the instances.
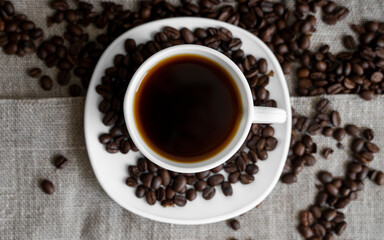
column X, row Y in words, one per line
column 215, row 180
column 226, row 188
column 289, row 178
column 191, row 194
column 169, row 193
column 152, row 167
column 305, row 231
column 140, row 191
column 60, row 5
column 165, row 177
column 217, row 169
column 209, row 193
column 342, row 203
column 335, row 118
column 340, row 227
column 246, row 178
column 160, row 194
column 379, row 179
column 200, row 185
column 10, row 48
column 367, row 95
column 331, row 189
column 156, row 182
column 48, row 187
column 362, row 175
column 35, row 72
column 339, row 134
column 325, row 177
column 230, row 168
column 233, row 177
column 253, row 156
column 46, row 83
column 358, row 145
column 306, row 218
column 202, row 175
column 299, row 149
column 319, row 230
column 142, row 164
column 252, row 169
column 321, row 198
column 167, row 203
column 316, row 211
column 150, row 196
column 180, row 200
column 368, row 134
column 187, row 35
column 327, row 131
column 191, row 180
column 323, row 105
column 61, row 162
column 327, row 152
column 146, row 178
column 171, row 33
column 352, row 130
column 349, row 42
column 179, row 183
column 329, row 214
column 373, row 148
column 235, row 225
column 131, row 182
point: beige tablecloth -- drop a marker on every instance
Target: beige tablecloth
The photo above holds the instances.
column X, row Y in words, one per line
column 36, row 125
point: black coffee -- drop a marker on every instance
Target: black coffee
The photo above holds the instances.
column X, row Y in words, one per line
column 187, row 108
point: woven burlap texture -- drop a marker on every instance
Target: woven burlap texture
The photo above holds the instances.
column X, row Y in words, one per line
column 34, row 131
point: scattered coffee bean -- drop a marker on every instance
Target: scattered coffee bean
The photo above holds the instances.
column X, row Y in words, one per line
column 327, row 152
column 35, row 72
column 61, row 162
column 48, row 187
column 235, row 225
column 46, row 83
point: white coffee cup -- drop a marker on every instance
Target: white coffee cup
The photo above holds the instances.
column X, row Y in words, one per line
column 251, row 114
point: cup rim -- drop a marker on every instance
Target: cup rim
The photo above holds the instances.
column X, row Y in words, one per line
column 229, row 150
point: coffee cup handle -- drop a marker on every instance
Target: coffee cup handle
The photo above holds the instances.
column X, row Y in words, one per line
column 269, row 115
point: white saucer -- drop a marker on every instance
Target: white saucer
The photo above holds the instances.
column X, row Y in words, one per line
column 111, row 169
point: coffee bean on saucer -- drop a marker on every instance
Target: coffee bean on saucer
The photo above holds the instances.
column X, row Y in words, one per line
column 48, row 187
column 209, row 193
column 215, row 180
column 191, row 194
column 131, row 181
column 307, row 218
column 180, row 200
column 150, row 196
column 227, row 189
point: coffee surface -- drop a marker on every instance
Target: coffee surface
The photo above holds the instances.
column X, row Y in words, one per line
column 187, row 108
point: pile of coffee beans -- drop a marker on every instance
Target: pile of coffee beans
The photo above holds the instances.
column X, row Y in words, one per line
column 150, row 180
column 323, row 219
column 116, row 79
column 77, row 57
column 18, row 35
column 358, row 70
